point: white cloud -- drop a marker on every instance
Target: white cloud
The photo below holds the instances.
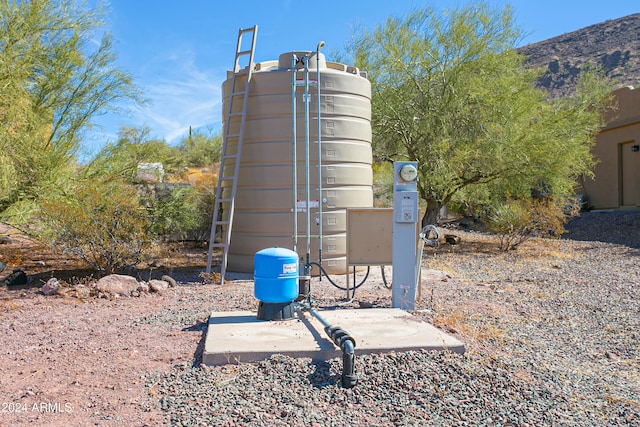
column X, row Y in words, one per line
column 180, row 94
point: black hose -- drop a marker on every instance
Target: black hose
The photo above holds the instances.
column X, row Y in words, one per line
column 322, row 271
column 384, row 278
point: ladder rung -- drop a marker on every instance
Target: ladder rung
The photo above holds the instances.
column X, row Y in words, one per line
column 229, row 139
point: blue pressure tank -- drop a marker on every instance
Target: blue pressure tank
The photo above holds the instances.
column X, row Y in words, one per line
column 275, row 275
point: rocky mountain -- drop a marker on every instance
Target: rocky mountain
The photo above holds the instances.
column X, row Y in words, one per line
column 613, row 45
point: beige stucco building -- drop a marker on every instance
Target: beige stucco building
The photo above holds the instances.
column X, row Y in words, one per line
column 616, row 184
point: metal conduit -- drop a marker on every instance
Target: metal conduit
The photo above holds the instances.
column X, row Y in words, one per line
column 294, row 60
column 320, row 201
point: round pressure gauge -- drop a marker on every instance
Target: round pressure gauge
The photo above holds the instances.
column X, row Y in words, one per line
column 408, row 173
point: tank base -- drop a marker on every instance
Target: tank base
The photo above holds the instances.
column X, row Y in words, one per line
column 275, row 310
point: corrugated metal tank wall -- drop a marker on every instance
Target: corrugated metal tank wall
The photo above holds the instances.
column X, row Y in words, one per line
column 264, row 199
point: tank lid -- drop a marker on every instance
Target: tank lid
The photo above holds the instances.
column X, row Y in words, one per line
column 284, row 60
column 277, row 252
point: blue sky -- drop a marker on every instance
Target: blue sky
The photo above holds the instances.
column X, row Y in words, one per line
column 178, row 52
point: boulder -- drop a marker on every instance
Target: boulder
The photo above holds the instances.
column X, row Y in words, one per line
column 117, row 284
column 150, row 172
column 170, row 280
column 158, row 286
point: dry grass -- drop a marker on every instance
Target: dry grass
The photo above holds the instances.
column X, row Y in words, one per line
column 8, row 304
column 472, row 328
column 476, row 319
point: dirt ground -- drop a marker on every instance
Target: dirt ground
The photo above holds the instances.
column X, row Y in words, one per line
column 68, row 361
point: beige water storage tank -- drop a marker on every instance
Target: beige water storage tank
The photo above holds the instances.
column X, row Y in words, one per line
column 264, row 199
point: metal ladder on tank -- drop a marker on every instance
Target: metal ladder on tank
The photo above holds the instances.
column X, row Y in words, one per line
column 231, row 161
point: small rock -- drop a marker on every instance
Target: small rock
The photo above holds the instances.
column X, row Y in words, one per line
column 170, row 280
column 158, row 286
column 51, row 287
column 143, row 288
column 82, row 291
column 452, row 239
column 365, row 304
column 117, row 284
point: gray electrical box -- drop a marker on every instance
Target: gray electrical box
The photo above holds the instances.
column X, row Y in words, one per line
column 404, row 236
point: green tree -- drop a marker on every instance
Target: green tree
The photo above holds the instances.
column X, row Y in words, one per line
column 134, row 146
column 174, row 209
column 451, row 92
column 53, row 82
column 201, row 149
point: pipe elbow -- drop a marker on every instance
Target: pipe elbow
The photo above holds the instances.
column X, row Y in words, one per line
column 348, row 346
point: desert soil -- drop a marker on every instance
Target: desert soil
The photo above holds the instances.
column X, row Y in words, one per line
column 66, row 361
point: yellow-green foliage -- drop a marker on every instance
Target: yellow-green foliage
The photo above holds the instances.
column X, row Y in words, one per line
column 101, row 222
column 383, row 184
column 56, row 76
column 203, row 181
column 174, row 212
column 519, row 219
column 450, row 91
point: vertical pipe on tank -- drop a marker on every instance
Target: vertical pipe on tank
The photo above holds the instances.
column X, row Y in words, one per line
column 294, row 187
column 306, row 157
column 319, row 155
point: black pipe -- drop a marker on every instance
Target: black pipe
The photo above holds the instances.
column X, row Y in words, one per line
column 349, row 377
column 347, row 344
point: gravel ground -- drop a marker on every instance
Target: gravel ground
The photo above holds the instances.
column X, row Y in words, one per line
column 552, row 333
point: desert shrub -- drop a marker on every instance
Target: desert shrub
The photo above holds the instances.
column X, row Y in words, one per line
column 383, row 184
column 205, row 181
column 173, row 212
column 201, row 149
column 102, row 222
column 517, row 220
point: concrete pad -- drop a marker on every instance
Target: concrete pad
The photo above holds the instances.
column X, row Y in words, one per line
column 238, row 336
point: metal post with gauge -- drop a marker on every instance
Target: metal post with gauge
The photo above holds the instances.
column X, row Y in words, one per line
column 405, row 239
